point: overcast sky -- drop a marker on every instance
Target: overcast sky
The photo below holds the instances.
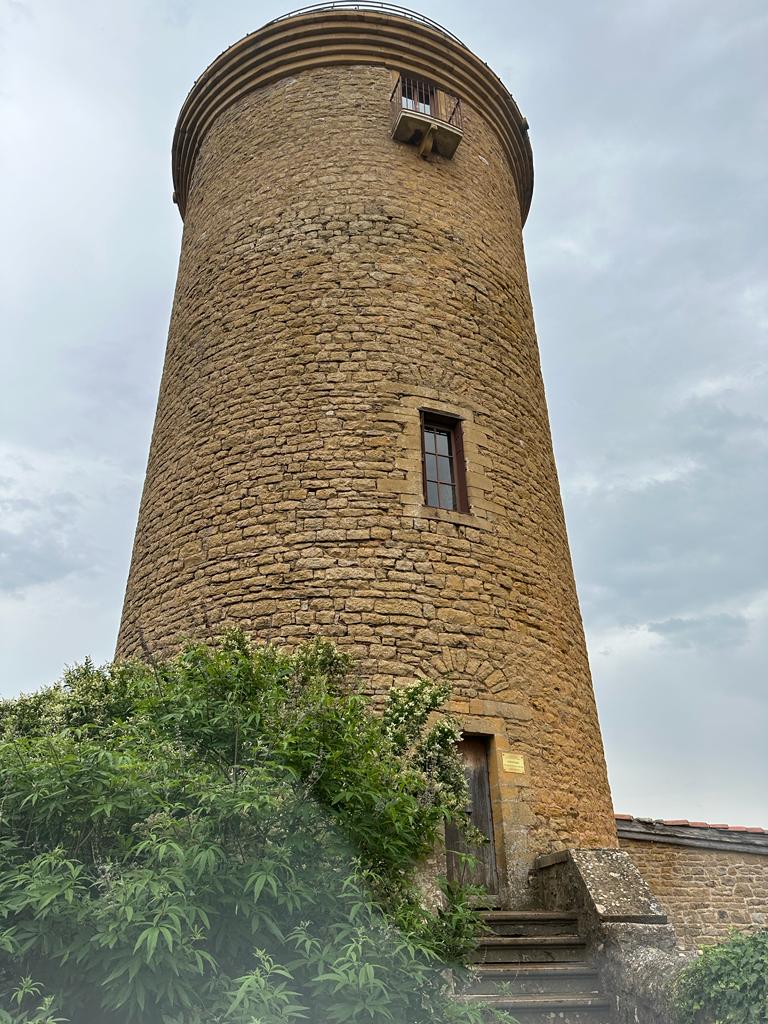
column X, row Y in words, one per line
column 647, row 250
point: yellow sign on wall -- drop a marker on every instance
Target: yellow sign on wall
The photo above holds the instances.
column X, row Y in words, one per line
column 513, row 763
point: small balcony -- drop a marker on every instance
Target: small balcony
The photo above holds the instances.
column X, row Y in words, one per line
column 426, row 117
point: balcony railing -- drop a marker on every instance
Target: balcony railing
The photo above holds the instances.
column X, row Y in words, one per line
column 426, row 117
column 373, row 6
column 422, row 97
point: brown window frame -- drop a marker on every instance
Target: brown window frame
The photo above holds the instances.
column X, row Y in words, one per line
column 453, row 427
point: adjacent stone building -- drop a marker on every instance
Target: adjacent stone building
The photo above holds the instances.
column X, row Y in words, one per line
column 709, row 878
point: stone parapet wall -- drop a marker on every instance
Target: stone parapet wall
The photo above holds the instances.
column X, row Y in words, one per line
column 707, row 890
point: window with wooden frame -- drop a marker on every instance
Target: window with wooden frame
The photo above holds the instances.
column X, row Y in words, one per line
column 442, row 462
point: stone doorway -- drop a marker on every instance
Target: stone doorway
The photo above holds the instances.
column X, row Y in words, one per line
column 474, row 752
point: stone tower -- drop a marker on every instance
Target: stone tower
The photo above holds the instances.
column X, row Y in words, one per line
column 352, row 435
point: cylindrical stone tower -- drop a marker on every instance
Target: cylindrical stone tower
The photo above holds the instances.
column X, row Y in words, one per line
column 352, row 436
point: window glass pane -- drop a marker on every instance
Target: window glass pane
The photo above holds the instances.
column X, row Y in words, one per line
column 444, row 469
column 446, row 496
column 442, row 476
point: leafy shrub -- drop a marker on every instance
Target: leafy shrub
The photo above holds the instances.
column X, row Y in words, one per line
column 227, row 836
column 727, row 984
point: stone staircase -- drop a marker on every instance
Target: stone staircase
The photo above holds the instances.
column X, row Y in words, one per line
column 533, row 965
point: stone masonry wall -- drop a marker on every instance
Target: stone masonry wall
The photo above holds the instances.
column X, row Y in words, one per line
column 331, row 285
column 705, row 892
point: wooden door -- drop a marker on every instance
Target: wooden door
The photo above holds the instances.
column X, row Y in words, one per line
column 474, row 753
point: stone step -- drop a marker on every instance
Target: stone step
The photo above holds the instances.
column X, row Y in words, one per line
column 530, row 922
column 510, row 949
column 543, row 1009
column 575, row 978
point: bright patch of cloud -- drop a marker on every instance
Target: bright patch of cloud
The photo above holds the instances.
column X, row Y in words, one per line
column 621, row 643
column 719, row 385
column 632, row 478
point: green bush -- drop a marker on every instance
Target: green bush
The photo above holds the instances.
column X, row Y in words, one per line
column 229, row 836
column 727, row 984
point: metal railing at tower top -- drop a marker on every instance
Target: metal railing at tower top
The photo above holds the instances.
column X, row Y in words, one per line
column 374, row 7
column 422, row 97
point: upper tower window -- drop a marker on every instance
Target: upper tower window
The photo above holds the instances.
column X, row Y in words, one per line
column 442, row 454
column 426, row 116
column 418, row 95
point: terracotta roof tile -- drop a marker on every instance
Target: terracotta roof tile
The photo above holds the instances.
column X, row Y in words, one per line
column 677, row 822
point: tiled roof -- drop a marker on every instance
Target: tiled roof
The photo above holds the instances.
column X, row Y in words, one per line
column 692, row 824
column 681, row 832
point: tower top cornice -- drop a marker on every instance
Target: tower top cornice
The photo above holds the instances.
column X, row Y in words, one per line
column 337, row 34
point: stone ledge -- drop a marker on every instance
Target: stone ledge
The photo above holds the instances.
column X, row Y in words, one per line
column 615, row 887
column 634, row 946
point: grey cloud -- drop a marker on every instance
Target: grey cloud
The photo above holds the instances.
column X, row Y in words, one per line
column 40, row 541
column 56, row 506
column 33, row 558
column 59, row 517
column 704, row 631
column 668, row 548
